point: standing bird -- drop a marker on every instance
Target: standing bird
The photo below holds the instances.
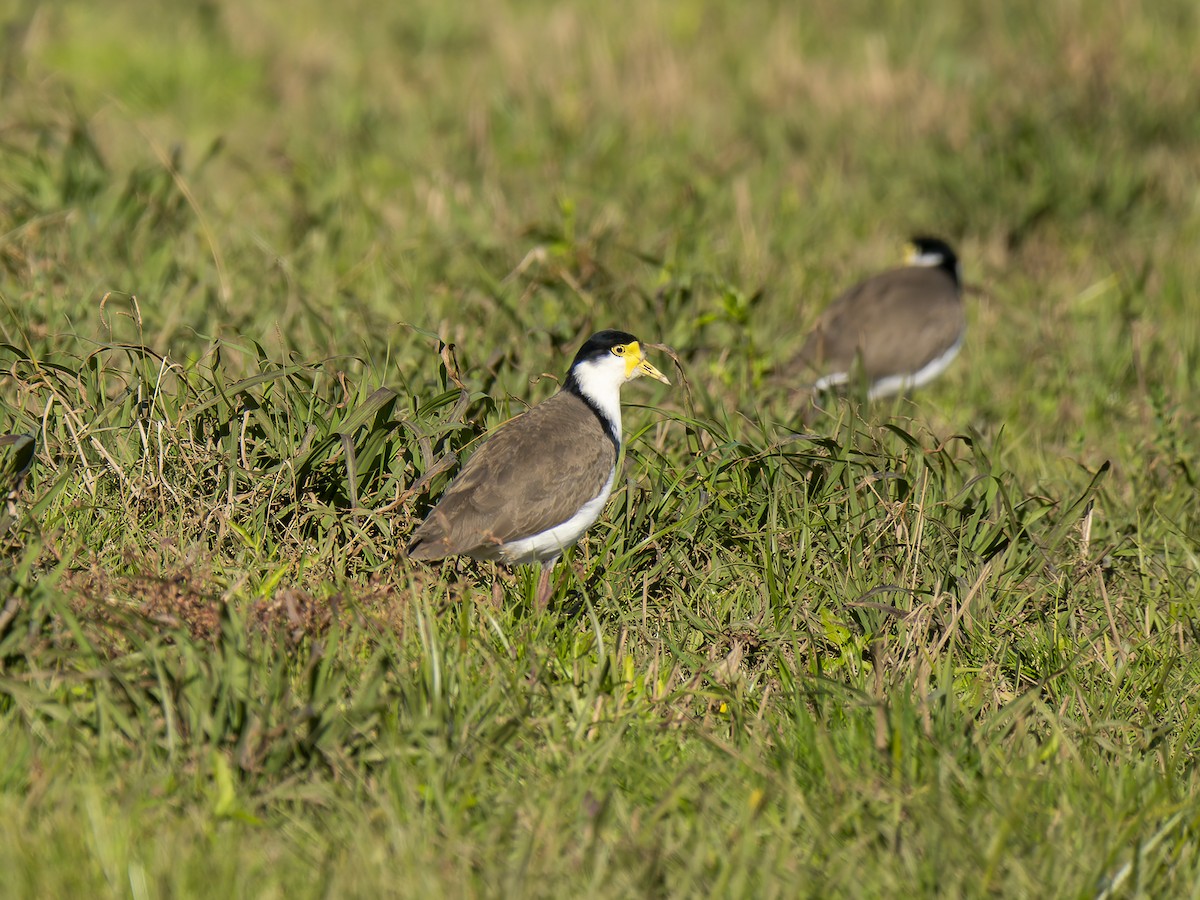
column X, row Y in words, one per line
column 539, row 482
column 898, row 330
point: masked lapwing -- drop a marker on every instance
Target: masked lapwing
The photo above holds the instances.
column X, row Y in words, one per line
column 895, row 331
column 539, row 482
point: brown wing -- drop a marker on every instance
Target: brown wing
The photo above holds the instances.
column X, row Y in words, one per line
column 533, row 473
column 899, row 321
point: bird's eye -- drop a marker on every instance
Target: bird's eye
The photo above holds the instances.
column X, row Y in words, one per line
column 619, row 350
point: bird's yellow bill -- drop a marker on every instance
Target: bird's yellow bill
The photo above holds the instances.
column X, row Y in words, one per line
column 637, row 365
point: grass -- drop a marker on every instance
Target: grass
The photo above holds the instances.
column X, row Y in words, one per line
column 267, row 272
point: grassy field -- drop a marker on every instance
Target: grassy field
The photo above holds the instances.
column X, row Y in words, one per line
column 266, row 269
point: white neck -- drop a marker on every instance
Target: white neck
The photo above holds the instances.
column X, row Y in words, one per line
column 600, row 382
column 933, row 260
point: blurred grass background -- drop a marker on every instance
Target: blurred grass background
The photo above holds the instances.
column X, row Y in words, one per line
column 945, row 646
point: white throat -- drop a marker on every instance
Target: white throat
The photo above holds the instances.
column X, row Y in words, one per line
column 600, row 382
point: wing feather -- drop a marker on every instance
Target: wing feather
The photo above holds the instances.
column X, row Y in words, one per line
column 924, row 306
column 531, row 474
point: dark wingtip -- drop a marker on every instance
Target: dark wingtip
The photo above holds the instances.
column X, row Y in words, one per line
column 425, row 549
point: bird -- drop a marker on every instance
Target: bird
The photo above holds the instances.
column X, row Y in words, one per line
column 539, row 481
column 897, row 330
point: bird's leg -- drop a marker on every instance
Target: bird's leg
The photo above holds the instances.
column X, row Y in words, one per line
column 543, row 590
column 811, row 407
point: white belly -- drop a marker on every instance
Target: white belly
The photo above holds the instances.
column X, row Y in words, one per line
column 895, row 384
column 548, row 545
